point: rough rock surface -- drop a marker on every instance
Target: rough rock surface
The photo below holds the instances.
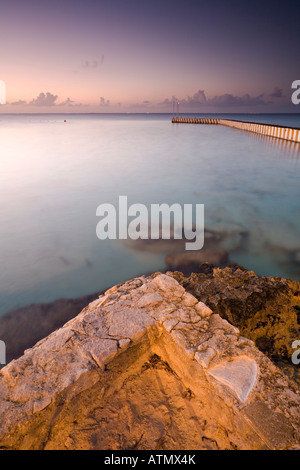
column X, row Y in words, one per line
column 147, row 366
column 21, row 328
column 266, row 310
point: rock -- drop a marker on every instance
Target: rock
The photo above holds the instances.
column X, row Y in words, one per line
column 189, row 300
column 168, row 285
column 155, row 246
column 149, row 299
column 204, row 357
column 238, row 374
column 189, row 261
column 203, row 310
column 266, row 310
column 135, row 368
column 170, row 324
column 275, row 426
column 43, row 320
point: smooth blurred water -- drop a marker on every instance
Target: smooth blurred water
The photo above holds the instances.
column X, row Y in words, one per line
column 54, row 175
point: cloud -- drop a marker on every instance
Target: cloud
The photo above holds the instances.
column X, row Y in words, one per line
column 168, row 102
column 49, row 99
column 68, row 102
column 231, row 100
column 226, row 100
column 19, row 103
column 92, row 64
column 44, row 100
column 104, row 102
column 277, row 93
column 197, row 98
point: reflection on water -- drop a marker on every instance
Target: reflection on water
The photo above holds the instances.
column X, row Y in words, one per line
column 54, row 175
column 284, row 148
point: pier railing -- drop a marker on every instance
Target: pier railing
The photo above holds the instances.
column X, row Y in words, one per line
column 182, row 120
column 279, row 132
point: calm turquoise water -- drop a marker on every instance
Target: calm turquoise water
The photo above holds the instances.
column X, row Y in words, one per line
column 55, row 174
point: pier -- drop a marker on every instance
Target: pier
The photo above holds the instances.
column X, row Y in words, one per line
column 182, row 120
column 279, row 132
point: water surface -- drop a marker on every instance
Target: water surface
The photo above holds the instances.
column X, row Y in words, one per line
column 54, row 174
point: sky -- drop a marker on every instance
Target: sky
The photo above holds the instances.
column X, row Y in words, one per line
column 107, row 56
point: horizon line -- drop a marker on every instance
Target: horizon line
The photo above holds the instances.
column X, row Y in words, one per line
column 144, row 113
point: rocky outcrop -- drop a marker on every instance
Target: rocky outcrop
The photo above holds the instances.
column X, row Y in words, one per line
column 266, row 310
column 21, row 328
column 147, row 366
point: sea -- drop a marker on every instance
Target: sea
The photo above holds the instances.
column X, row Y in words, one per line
column 55, row 170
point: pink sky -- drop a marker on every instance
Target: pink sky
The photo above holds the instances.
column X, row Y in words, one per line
column 105, row 56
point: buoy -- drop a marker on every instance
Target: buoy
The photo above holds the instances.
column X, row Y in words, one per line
column 65, row 120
